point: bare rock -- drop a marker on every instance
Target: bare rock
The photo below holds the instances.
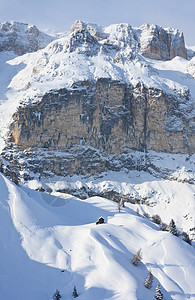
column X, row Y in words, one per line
column 159, row 43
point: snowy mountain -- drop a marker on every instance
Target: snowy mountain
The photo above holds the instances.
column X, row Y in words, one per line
column 51, row 242
column 98, row 114
column 22, row 38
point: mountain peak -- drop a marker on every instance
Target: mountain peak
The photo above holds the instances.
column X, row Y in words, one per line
column 22, row 38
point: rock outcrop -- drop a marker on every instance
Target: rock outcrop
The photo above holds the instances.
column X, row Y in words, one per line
column 151, row 41
column 96, row 127
column 159, row 43
column 22, row 38
column 109, row 116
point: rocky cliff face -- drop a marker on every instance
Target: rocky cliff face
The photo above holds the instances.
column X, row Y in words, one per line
column 96, row 127
column 109, row 116
column 159, row 43
column 22, row 38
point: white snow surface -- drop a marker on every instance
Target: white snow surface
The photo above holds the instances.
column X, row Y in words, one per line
column 50, row 243
column 170, row 199
column 80, row 56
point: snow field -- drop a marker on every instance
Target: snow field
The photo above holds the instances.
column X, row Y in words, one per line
column 167, row 198
column 39, row 241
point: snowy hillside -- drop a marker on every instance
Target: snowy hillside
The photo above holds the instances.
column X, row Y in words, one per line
column 50, row 243
column 151, row 195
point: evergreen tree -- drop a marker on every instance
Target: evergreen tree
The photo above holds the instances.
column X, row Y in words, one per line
column 137, row 257
column 186, row 238
column 149, row 280
column 57, row 295
column 75, row 294
column 172, row 227
column 158, row 295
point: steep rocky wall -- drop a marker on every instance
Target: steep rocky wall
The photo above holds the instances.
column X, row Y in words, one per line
column 109, row 116
column 159, row 43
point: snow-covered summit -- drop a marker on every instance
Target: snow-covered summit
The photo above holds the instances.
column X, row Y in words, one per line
column 22, row 38
column 90, row 52
column 152, row 41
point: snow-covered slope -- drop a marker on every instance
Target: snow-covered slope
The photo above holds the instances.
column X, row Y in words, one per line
column 171, row 198
column 50, row 243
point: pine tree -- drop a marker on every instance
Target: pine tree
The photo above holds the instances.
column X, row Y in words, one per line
column 158, row 295
column 186, row 238
column 57, row 295
column 75, row 294
column 149, row 280
column 172, row 227
column 137, row 257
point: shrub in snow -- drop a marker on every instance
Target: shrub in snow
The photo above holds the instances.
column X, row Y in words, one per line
column 14, row 177
column 75, row 294
column 57, row 295
column 186, row 238
column 149, row 280
column 172, row 228
column 120, row 204
column 156, row 219
column 137, row 257
column 164, row 227
column 158, row 295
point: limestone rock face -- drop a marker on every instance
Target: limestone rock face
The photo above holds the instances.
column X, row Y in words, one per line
column 109, row 116
column 159, row 43
column 22, row 38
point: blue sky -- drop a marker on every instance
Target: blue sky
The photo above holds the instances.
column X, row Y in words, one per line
column 60, row 14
